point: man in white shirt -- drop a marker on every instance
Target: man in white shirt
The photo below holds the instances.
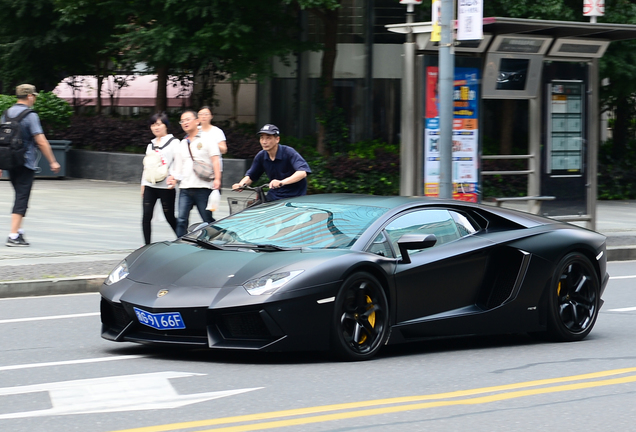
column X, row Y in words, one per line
column 192, row 189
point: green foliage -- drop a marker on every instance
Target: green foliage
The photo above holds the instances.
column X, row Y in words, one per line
column 375, row 170
column 55, row 113
column 372, row 182
column 6, row 101
column 368, row 149
column 617, row 176
column 305, row 146
column 499, row 186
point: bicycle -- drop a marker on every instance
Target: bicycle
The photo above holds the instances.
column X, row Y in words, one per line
column 237, row 204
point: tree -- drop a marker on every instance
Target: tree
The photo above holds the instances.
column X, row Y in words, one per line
column 251, row 34
column 618, row 66
column 328, row 12
column 100, row 21
column 37, row 46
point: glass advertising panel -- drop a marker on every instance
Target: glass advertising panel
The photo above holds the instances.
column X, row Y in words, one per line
column 565, row 128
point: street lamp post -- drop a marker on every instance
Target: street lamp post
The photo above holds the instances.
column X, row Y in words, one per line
column 408, row 170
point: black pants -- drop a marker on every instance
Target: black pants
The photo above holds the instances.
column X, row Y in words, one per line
column 167, row 197
column 22, row 182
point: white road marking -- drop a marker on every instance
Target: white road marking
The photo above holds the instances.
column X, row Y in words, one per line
column 52, row 317
column 623, row 277
column 628, row 309
column 69, row 362
column 48, row 296
column 149, row 391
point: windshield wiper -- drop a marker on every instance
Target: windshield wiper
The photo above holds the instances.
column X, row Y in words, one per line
column 203, row 243
column 262, row 247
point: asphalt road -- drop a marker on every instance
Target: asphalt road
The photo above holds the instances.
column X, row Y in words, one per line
column 57, row 374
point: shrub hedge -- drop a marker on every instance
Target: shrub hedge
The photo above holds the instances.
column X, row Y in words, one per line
column 370, row 167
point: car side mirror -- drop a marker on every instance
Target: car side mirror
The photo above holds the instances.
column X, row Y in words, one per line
column 414, row 242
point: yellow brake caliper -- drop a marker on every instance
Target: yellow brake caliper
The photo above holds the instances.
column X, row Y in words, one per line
column 371, row 318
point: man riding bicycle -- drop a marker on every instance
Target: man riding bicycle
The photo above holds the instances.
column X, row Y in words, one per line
column 285, row 167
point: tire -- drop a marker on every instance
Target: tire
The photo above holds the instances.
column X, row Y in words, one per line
column 361, row 318
column 574, row 299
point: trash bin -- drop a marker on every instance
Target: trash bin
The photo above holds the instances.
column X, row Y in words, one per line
column 60, row 148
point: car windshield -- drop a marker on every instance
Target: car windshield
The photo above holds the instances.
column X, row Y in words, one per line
column 283, row 225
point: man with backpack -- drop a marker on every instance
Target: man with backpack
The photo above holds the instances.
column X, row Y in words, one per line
column 21, row 161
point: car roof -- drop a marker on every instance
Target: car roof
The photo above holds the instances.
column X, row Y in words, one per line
column 403, row 202
column 368, row 200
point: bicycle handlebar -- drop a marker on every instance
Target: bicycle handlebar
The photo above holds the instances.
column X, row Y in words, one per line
column 250, row 188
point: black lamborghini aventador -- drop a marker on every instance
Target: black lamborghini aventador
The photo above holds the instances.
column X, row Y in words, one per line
column 351, row 273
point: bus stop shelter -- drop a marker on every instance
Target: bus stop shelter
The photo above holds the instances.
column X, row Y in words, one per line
column 553, row 66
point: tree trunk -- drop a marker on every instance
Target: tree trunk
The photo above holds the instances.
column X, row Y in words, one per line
column 507, row 126
column 203, row 88
column 161, row 101
column 100, row 79
column 235, row 90
column 329, row 20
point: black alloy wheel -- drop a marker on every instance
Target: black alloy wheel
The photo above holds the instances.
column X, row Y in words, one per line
column 361, row 318
column 574, row 299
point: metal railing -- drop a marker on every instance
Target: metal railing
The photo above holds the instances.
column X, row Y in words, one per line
column 507, row 157
column 534, row 200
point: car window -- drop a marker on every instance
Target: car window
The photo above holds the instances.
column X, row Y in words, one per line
column 292, row 224
column 380, row 246
column 465, row 225
column 428, row 221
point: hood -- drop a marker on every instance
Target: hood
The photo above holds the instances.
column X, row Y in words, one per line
column 187, row 265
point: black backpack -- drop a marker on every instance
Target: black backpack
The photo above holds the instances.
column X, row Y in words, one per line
column 12, row 148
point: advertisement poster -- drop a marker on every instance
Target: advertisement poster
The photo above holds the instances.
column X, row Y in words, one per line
column 465, row 134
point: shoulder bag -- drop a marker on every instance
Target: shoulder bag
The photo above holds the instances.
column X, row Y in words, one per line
column 203, row 170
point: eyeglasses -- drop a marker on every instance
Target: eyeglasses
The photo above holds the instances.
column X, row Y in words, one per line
column 186, row 121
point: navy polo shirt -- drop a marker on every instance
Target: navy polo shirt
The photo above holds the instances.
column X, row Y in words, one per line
column 286, row 163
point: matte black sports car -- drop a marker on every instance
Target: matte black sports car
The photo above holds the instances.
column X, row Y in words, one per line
column 352, row 273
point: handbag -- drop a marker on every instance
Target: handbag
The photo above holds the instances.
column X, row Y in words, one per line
column 203, row 170
column 155, row 170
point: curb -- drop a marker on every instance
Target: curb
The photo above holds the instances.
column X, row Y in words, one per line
column 90, row 284
column 621, row 253
column 42, row 287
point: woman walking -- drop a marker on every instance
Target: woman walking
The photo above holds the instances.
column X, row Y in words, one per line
column 205, row 116
column 157, row 167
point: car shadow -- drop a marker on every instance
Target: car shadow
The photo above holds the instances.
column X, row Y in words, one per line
column 458, row 343
column 450, row 344
column 213, row 356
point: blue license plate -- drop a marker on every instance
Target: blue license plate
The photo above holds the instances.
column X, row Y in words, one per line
column 160, row 321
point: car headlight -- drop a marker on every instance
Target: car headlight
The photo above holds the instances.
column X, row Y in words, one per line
column 118, row 273
column 270, row 283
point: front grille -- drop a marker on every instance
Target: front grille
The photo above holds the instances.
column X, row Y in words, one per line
column 113, row 314
column 247, row 325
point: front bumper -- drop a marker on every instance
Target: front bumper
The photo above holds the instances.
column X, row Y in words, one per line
column 298, row 323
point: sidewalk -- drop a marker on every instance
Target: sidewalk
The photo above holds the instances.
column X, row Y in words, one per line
column 80, row 229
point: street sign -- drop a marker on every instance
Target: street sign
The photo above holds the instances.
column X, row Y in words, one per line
column 470, row 19
column 593, row 8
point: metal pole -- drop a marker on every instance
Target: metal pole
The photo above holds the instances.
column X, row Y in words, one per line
column 593, row 142
column 408, row 163
column 534, row 143
column 368, row 71
column 446, row 86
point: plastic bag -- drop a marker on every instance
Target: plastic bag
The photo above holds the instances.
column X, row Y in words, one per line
column 214, row 200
